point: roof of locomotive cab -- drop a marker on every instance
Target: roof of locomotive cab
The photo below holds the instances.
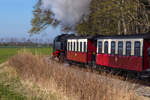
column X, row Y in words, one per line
column 63, row 37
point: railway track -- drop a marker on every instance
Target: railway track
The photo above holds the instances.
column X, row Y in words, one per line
column 141, row 87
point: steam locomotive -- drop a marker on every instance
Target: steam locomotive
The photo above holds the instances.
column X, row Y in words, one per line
column 123, row 52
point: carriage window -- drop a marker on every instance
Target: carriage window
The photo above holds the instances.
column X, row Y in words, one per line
column 74, row 46
column 77, row 46
column 85, row 47
column 106, row 47
column 120, row 48
column 80, row 46
column 68, row 46
column 71, row 46
column 113, row 45
column 128, row 48
column 137, row 46
column 100, row 47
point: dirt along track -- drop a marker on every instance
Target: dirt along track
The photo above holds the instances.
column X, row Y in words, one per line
column 141, row 87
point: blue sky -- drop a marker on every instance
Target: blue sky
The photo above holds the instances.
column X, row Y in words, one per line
column 15, row 17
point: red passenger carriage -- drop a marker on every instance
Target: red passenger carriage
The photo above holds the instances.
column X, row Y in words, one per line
column 124, row 52
column 81, row 50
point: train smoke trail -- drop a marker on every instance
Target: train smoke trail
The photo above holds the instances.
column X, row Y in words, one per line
column 68, row 12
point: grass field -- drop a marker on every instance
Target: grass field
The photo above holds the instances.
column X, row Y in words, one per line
column 11, row 87
column 5, row 53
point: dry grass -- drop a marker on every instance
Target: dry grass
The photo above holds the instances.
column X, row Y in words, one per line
column 74, row 83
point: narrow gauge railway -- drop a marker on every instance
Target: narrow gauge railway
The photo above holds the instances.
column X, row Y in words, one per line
column 130, row 53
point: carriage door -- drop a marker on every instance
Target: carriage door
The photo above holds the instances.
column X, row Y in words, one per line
column 91, row 51
column 146, row 54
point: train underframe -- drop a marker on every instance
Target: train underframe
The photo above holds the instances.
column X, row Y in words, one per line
column 144, row 75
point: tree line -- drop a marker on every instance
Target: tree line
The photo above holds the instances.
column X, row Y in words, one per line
column 25, row 42
column 106, row 17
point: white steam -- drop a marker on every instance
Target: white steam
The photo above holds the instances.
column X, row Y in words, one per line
column 68, row 12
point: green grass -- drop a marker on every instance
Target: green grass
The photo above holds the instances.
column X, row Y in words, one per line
column 9, row 84
column 6, row 93
column 5, row 53
column 11, row 87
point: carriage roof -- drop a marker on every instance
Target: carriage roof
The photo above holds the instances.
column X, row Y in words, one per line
column 95, row 37
column 133, row 36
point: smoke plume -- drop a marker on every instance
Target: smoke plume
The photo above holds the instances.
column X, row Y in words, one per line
column 68, row 12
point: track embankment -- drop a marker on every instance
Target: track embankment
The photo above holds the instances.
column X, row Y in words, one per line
column 140, row 87
column 75, row 83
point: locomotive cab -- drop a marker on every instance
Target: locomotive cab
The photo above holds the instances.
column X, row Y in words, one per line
column 56, row 48
column 60, row 46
